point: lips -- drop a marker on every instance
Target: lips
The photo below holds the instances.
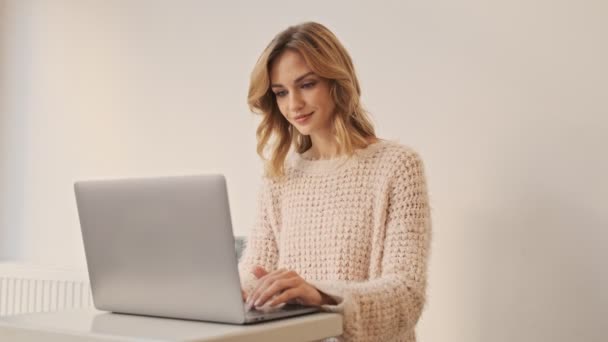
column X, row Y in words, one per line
column 303, row 116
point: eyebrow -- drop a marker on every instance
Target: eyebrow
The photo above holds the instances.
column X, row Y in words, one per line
column 296, row 81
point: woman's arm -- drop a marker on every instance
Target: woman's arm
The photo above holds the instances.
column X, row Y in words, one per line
column 390, row 305
column 382, row 308
column 261, row 246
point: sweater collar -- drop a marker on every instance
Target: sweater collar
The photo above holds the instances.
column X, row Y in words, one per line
column 303, row 162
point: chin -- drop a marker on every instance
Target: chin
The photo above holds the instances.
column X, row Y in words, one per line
column 303, row 131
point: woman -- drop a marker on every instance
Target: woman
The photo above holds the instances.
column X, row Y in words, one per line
column 344, row 219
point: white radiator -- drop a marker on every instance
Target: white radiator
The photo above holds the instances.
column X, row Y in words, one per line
column 29, row 289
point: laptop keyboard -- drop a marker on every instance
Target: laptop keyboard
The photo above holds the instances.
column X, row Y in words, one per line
column 287, row 307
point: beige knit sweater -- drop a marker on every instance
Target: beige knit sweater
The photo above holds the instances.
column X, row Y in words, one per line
column 358, row 229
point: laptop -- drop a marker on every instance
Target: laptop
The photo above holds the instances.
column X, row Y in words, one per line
column 164, row 247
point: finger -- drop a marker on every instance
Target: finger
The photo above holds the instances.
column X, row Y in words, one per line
column 275, row 288
column 267, row 280
column 259, row 272
column 263, row 284
column 291, row 294
column 244, row 294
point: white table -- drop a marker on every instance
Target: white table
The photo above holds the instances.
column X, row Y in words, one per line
column 93, row 325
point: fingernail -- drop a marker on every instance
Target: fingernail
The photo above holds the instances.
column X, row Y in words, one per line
column 257, row 302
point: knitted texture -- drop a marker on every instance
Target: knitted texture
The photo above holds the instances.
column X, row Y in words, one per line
column 358, row 229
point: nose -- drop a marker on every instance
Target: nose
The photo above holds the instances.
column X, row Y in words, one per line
column 296, row 102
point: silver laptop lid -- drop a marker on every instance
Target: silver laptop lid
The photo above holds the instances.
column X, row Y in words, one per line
column 161, row 247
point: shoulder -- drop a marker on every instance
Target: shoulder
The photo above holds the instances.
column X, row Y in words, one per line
column 402, row 164
column 398, row 154
column 272, row 186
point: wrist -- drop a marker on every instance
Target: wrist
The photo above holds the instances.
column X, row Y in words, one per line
column 326, row 300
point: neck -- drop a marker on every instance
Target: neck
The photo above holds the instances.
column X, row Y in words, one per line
column 326, row 147
column 323, row 147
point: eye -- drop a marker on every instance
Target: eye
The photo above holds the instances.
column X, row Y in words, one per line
column 308, row 85
column 280, row 93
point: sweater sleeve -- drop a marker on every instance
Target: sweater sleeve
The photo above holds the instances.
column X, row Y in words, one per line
column 390, row 305
column 261, row 244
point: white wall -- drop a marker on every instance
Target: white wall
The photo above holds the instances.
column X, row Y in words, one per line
column 505, row 100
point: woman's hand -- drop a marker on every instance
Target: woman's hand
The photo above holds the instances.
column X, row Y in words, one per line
column 286, row 286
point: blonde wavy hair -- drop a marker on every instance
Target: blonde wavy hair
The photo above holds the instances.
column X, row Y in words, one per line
column 327, row 58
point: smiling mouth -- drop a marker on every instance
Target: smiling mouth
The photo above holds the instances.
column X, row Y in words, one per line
column 300, row 117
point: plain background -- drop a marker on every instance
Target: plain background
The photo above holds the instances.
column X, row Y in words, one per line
column 506, row 101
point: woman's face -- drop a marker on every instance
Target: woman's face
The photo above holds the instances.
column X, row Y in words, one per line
column 302, row 97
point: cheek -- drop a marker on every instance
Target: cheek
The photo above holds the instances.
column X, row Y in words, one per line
column 282, row 107
column 327, row 103
column 324, row 99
